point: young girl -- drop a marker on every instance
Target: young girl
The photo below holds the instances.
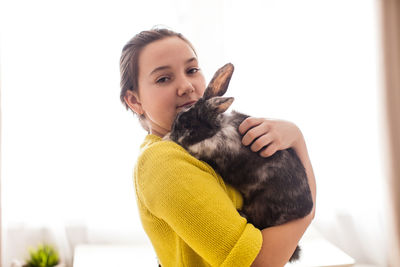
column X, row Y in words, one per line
column 186, row 209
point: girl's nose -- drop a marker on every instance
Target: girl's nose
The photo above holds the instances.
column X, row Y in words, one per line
column 184, row 87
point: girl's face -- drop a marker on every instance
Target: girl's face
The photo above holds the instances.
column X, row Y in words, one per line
column 169, row 80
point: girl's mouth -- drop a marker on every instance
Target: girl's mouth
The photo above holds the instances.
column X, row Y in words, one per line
column 187, row 104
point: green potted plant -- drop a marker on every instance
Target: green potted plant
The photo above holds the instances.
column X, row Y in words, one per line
column 43, row 256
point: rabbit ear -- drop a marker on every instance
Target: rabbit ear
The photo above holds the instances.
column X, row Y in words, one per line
column 219, row 83
column 220, row 104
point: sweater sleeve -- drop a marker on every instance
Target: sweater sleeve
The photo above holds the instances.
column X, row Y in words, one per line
column 187, row 195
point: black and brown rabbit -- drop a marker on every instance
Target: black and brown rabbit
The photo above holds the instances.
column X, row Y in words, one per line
column 275, row 189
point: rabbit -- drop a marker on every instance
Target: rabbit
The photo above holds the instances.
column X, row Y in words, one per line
column 275, row 189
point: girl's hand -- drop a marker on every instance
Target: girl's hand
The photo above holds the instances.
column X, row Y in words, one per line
column 271, row 135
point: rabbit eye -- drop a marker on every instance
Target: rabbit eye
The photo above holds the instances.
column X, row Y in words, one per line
column 189, row 125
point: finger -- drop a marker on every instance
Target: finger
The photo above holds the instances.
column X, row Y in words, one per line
column 254, row 133
column 261, row 142
column 249, row 123
column 269, row 151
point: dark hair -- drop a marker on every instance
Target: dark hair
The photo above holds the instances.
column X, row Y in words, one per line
column 129, row 68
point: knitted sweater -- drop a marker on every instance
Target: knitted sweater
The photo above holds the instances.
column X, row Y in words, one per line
column 188, row 212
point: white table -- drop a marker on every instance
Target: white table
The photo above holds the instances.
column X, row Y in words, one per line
column 114, row 256
column 316, row 252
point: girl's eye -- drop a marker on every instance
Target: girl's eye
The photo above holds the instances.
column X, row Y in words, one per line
column 193, row 70
column 162, row 80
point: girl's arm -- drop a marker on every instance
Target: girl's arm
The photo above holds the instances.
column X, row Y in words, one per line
column 279, row 242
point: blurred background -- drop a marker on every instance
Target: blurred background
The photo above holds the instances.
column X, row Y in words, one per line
column 68, row 145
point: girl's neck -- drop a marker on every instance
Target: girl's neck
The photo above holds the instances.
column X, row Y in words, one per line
column 157, row 133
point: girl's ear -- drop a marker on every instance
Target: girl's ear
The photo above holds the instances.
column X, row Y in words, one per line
column 132, row 100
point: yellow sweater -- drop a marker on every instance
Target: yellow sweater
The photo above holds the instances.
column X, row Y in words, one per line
column 188, row 212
